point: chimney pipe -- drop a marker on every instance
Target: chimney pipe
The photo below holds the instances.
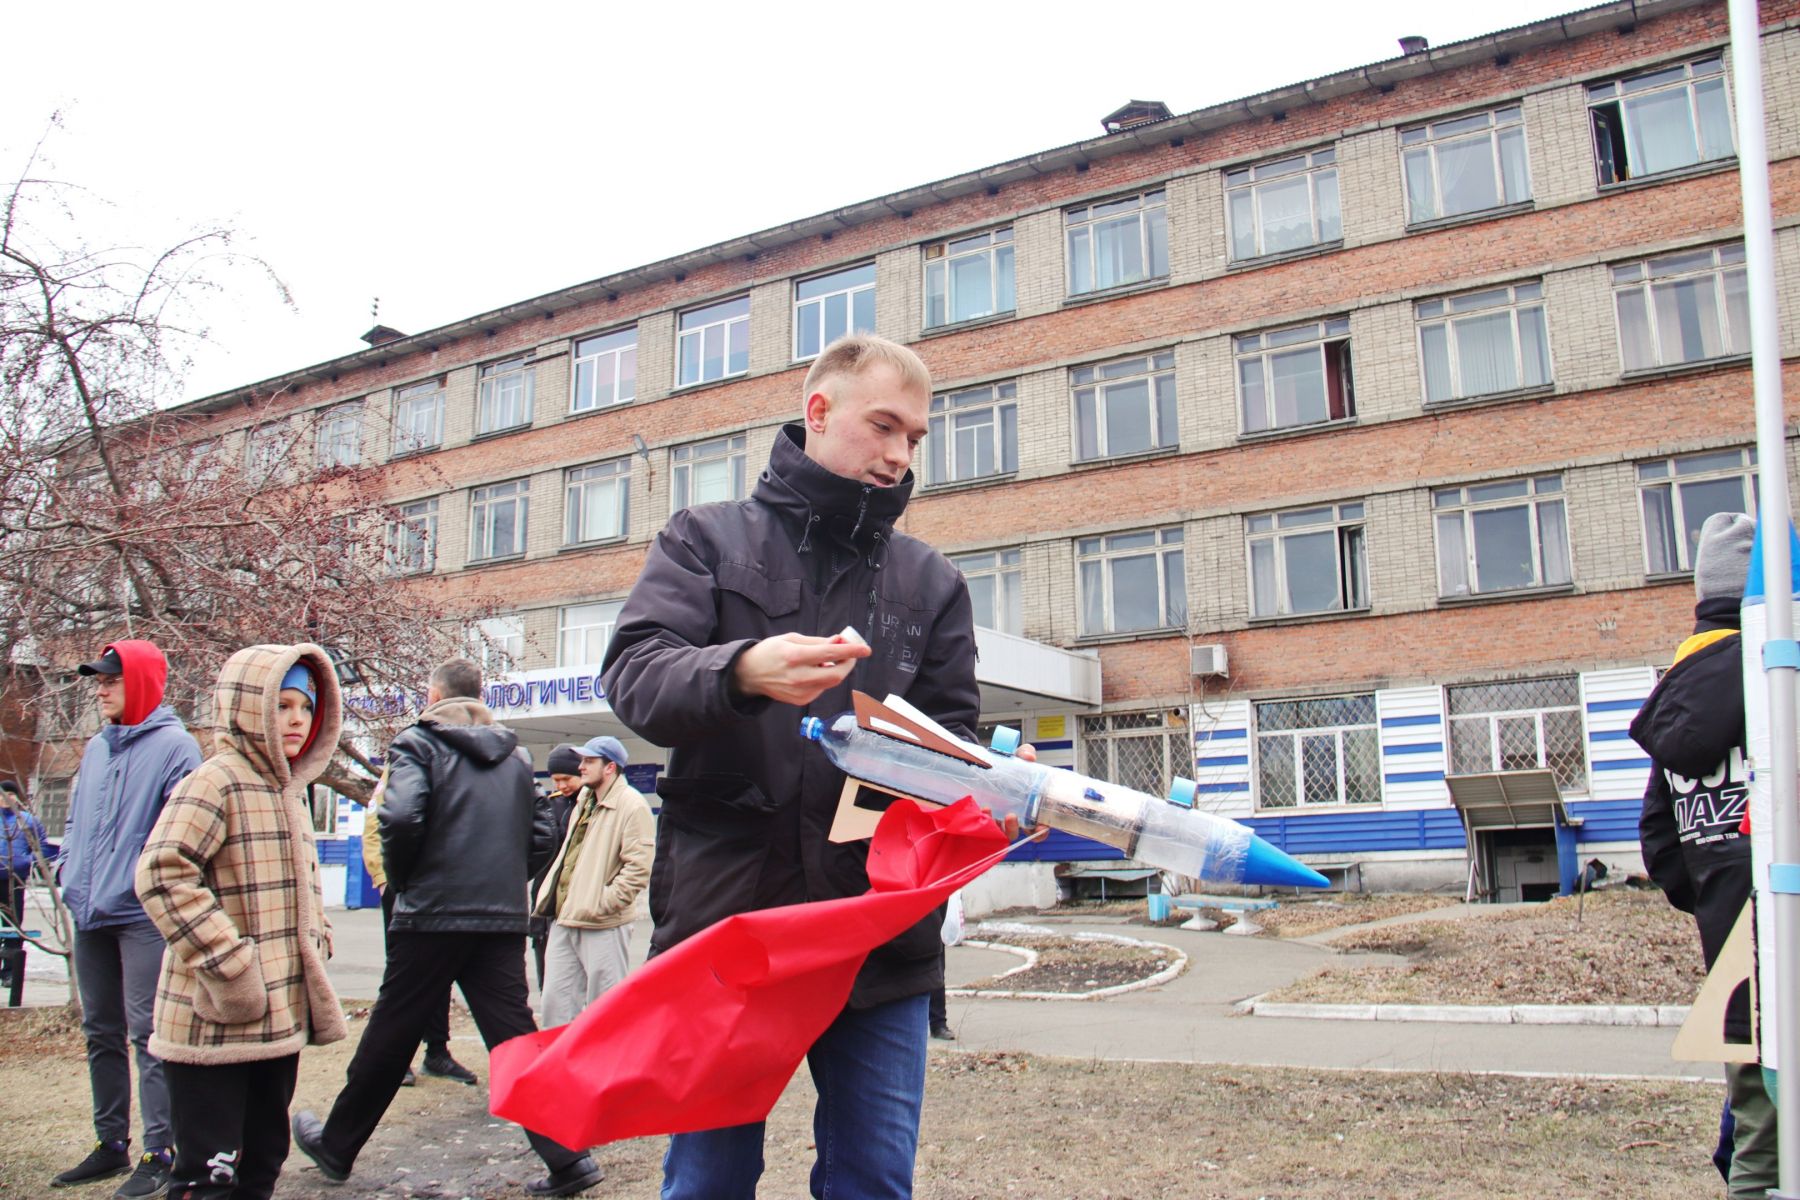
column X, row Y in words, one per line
column 1410, row 46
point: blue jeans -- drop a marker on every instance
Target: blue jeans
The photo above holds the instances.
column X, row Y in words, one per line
column 869, row 1069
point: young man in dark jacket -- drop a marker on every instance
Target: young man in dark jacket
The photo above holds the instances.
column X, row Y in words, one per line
column 729, row 637
column 1692, row 726
column 462, row 830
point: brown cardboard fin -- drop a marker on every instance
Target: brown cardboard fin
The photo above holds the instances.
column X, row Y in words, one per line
column 855, row 821
column 877, row 717
column 1702, row 1035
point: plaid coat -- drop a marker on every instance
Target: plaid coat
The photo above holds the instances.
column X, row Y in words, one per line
column 231, row 878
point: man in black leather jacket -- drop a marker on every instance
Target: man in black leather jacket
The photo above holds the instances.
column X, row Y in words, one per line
column 462, row 830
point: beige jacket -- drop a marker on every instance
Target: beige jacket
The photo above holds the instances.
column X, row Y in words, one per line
column 231, row 878
column 612, row 865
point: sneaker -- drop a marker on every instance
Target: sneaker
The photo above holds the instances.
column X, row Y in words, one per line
column 309, row 1135
column 578, row 1176
column 107, row 1160
column 445, row 1067
column 408, row 1079
column 151, row 1179
column 942, row 1032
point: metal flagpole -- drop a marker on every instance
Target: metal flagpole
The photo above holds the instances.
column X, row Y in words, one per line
column 1781, row 656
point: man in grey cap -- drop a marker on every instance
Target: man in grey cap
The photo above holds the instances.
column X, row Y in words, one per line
column 591, row 890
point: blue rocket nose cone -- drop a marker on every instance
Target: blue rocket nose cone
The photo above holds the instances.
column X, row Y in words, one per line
column 1272, row 867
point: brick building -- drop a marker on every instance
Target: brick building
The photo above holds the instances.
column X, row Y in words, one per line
column 1317, row 445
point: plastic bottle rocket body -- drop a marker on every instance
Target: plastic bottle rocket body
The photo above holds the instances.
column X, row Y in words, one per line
column 1149, row 828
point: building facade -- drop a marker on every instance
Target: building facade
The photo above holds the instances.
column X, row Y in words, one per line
column 1318, row 446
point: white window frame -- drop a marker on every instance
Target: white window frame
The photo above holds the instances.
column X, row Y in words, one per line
column 612, row 475
column 613, row 355
column 412, row 537
column 1423, row 143
column 1007, row 612
column 1297, row 735
column 941, row 260
column 498, row 644
column 410, row 402
column 1329, row 339
column 1347, row 522
column 1101, row 735
column 732, row 450
column 265, row 448
column 949, row 458
column 1668, row 476
column 1692, row 78
column 1166, row 546
column 483, row 502
column 334, row 448
column 731, row 317
column 1492, row 719
column 1519, row 301
column 1643, row 282
column 812, row 304
column 506, row 395
column 1083, row 222
column 1318, row 167
column 1093, row 386
column 568, row 634
column 1542, row 493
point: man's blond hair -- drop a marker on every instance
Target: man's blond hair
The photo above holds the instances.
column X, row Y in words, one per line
column 862, row 352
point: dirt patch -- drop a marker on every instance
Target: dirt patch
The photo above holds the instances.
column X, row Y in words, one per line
column 1302, row 918
column 1631, row 947
column 1014, row 1125
column 36, row 1033
column 1073, row 965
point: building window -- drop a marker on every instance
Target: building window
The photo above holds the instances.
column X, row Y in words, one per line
column 412, row 538
column 505, row 402
column 1481, row 343
column 1519, row 725
column 1310, row 560
column 994, row 589
column 1662, row 121
column 1465, row 165
column 598, row 502
column 828, row 307
column 264, row 450
column 1125, row 407
column 1298, row 376
column 1132, row 581
column 340, row 436
column 498, row 644
column 50, row 801
column 1323, row 751
column 969, row 278
column 583, row 630
column 1495, row 537
column 1281, row 206
column 1680, row 493
column 1119, row 242
column 1141, row 750
column 1682, row 308
column 713, row 342
column 419, row 417
column 973, row 434
column 605, row 371
column 708, row 472
column 498, row 515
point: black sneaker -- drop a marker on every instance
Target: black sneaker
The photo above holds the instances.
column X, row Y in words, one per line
column 942, row 1032
column 309, row 1135
column 105, row 1161
column 445, row 1067
column 151, row 1179
column 578, row 1176
column 408, row 1079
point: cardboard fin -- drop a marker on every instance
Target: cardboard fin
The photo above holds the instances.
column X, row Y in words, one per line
column 853, row 822
column 1702, row 1035
column 877, row 717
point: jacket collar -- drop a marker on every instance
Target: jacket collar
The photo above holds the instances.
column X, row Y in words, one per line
column 1720, row 612
column 801, row 490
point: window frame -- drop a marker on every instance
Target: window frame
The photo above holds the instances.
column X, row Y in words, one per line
column 1006, row 567
column 1671, row 481
column 613, row 472
column 1335, row 365
column 1638, row 276
column 1428, row 137
column 943, row 256
column 404, row 399
column 564, row 629
column 493, row 649
column 1104, row 730
column 1337, row 732
column 264, row 447
column 1494, row 716
column 495, row 395
column 1146, row 209
column 1536, row 496
column 425, row 538
column 1613, row 93
column 1515, row 306
column 1158, row 368
column 1250, row 180
column 683, row 458
column 941, row 441
column 817, row 319
column 1169, row 542
column 728, row 325
column 1342, row 522
column 618, row 354
column 479, row 498
column 330, row 429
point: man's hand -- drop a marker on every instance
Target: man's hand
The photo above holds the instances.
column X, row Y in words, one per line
column 1010, row 826
column 794, row 668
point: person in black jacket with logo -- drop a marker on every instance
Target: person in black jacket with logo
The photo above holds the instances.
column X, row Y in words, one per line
column 731, row 636
column 462, row 830
column 1692, row 726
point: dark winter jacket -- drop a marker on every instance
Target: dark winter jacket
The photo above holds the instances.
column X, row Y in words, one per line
column 126, row 775
column 17, row 832
column 1692, row 726
column 560, row 808
column 746, row 804
column 462, row 828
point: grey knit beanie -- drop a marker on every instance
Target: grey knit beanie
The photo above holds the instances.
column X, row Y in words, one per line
column 1722, row 557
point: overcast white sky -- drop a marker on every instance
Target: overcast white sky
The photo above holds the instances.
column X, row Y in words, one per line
column 453, row 157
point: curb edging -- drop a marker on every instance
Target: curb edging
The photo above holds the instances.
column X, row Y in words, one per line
column 1618, row 1015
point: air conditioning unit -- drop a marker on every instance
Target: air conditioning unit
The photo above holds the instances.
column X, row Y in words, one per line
column 1207, row 660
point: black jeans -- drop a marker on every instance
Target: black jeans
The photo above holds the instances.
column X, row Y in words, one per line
column 231, row 1127
column 437, row 1024
column 490, row 969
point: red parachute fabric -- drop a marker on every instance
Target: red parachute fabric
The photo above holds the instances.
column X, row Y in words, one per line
column 708, row 1033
